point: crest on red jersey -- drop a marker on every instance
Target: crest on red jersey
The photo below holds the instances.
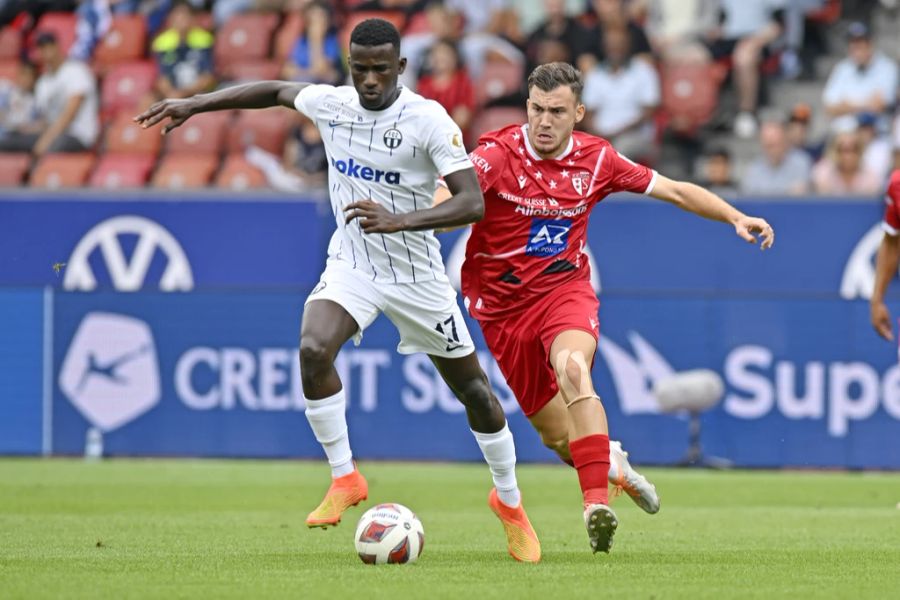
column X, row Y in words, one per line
column 581, row 181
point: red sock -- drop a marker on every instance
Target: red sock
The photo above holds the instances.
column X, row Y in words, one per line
column 591, row 457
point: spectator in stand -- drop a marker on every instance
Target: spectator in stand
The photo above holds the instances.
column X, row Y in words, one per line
column 558, row 30
column 877, row 151
column 842, row 172
column 304, row 165
column 490, row 32
column 18, row 106
column 621, row 95
column 717, row 173
column 447, row 82
column 184, row 54
column 781, row 170
column 316, row 56
column 611, row 14
column 798, row 132
column 66, row 97
column 94, row 20
column 865, row 81
column 676, row 27
column 747, row 30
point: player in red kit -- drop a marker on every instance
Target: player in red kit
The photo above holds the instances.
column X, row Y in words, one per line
column 888, row 258
column 526, row 278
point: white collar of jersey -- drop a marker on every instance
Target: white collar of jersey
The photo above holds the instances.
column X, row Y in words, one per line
column 534, row 154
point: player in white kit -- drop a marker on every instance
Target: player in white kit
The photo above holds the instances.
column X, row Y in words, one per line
column 386, row 146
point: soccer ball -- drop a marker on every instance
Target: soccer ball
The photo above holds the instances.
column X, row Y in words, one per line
column 389, row 533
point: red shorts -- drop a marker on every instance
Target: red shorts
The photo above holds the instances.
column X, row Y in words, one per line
column 521, row 342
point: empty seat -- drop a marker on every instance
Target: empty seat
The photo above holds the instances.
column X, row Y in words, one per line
column 244, row 37
column 125, row 41
column 690, row 94
column 13, row 168
column 62, row 24
column 201, row 134
column 254, row 70
column 116, row 171
column 287, row 36
column 498, row 79
column 397, row 18
column 490, row 119
column 62, row 170
column 10, row 43
column 182, row 172
column 124, row 136
column 125, row 85
column 267, row 129
column 237, row 174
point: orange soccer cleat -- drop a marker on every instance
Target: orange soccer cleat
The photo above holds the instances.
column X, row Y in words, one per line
column 343, row 493
column 522, row 541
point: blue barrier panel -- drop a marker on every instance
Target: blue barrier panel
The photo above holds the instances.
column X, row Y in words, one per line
column 21, row 371
column 641, row 246
column 807, row 383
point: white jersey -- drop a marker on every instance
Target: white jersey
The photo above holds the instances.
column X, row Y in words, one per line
column 393, row 157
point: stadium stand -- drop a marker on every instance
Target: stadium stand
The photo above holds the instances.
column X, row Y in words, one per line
column 124, row 136
column 237, row 174
column 10, row 43
column 61, row 24
column 125, row 41
column 180, row 171
column 62, row 170
column 267, row 129
column 202, row 135
column 244, row 38
column 116, row 171
column 13, row 168
column 124, row 87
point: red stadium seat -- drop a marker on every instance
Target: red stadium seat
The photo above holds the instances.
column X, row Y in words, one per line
column 267, row 129
column 690, row 94
column 498, row 79
column 125, row 85
column 60, row 23
column 116, row 171
column 10, row 43
column 354, row 19
column 13, row 168
column 180, row 171
column 8, row 69
column 237, row 174
column 62, row 170
column 244, row 37
column 287, row 36
column 125, row 41
column 490, row 119
column 124, row 136
column 201, row 134
column 254, row 70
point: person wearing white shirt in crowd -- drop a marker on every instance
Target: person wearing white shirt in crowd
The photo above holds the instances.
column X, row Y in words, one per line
column 621, row 95
column 865, row 81
column 66, row 95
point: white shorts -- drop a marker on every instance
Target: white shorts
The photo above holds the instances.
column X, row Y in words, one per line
column 425, row 313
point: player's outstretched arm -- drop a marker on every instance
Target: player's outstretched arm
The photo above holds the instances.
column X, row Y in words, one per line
column 700, row 201
column 885, row 267
column 260, row 94
column 464, row 206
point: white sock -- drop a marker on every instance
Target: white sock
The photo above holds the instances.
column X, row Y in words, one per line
column 328, row 419
column 499, row 452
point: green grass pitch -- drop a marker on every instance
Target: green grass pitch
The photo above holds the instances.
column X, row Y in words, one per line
column 234, row 529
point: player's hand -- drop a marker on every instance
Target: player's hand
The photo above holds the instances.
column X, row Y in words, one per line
column 749, row 227
column 373, row 217
column 176, row 110
column 881, row 320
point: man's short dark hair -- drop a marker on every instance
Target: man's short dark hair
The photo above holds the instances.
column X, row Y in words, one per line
column 550, row 76
column 376, row 32
column 719, row 152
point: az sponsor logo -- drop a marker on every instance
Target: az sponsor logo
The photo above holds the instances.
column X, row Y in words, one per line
column 128, row 275
column 548, row 237
column 837, row 393
column 351, row 168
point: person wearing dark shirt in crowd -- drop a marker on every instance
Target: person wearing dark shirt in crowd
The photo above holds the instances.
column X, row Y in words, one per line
column 447, row 82
column 184, row 53
column 612, row 14
column 316, row 56
column 717, row 175
column 557, row 29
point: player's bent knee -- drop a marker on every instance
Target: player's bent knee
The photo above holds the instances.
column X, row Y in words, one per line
column 476, row 393
column 314, row 356
column 557, row 443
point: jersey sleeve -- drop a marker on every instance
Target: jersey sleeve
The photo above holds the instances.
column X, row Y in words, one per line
column 488, row 160
column 309, row 98
column 445, row 144
column 628, row 176
column 891, row 222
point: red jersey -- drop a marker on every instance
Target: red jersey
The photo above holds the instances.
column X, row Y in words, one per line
column 891, row 223
column 533, row 234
